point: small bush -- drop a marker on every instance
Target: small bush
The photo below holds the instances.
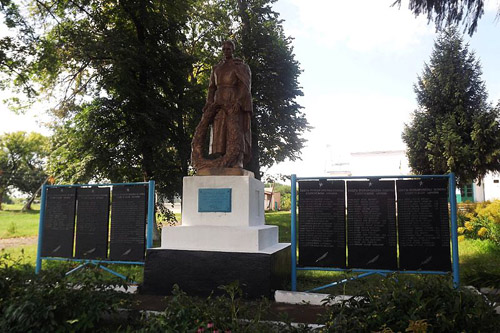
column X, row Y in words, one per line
column 417, row 305
column 481, row 221
column 49, row 302
column 12, row 229
column 226, row 313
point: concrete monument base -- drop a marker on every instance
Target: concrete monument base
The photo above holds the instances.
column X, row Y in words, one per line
column 202, row 272
column 223, row 238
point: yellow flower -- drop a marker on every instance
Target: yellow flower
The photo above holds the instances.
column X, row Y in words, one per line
column 461, row 238
column 461, row 230
column 482, row 232
column 469, row 226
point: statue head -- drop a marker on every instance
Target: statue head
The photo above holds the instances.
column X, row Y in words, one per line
column 228, row 49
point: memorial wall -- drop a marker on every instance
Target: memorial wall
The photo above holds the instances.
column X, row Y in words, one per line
column 88, row 208
column 360, row 224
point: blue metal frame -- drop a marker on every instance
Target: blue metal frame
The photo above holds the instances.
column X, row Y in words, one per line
column 367, row 272
column 86, row 262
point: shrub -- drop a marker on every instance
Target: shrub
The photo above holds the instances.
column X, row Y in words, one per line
column 483, row 221
column 226, row 313
column 417, row 305
column 50, row 302
column 286, row 201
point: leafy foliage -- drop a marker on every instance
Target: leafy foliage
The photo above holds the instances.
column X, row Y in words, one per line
column 227, row 313
column 449, row 12
column 49, row 302
column 454, row 128
column 483, row 222
column 130, row 79
column 22, row 161
column 418, row 305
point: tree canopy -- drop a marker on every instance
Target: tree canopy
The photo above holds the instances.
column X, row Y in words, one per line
column 449, row 12
column 129, row 80
column 23, row 158
column 454, row 129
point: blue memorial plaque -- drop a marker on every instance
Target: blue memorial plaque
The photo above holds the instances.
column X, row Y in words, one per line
column 212, row 200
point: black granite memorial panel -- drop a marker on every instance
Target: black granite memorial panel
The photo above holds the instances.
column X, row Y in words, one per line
column 92, row 220
column 128, row 222
column 371, row 225
column 423, row 225
column 322, row 224
column 59, row 222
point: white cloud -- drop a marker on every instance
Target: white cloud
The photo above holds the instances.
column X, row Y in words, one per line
column 363, row 25
column 491, row 6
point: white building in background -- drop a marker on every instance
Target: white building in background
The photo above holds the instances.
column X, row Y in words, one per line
column 380, row 163
column 395, row 162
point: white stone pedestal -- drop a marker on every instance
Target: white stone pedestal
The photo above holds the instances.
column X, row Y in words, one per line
column 242, row 229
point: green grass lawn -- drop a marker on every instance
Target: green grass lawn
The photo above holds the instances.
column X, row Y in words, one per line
column 282, row 220
column 479, row 260
column 15, row 223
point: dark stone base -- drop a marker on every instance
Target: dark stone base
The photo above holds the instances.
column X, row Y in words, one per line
column 198, row 273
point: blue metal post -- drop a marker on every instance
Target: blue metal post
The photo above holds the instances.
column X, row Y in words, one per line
column 454, row 233
column 151, row 217
column 293, row 223
column 40, row 230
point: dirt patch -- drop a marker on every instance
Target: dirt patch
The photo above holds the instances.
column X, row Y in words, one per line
column 18, row 241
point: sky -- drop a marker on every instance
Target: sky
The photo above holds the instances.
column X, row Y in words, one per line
column 360, row 60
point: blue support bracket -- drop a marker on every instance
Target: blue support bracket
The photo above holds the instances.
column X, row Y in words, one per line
column 76, row 269
column 40, row 230
column 343, row 281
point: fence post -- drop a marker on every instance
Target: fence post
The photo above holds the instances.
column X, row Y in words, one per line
column 40, row 230
column 293, row 225
column 151, row 210
column 454, row 233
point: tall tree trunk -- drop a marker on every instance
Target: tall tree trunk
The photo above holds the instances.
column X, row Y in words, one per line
column 147, row 162
column 1, row 197
column 27, row 206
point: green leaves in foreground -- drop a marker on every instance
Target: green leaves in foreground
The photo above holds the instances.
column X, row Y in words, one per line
column 50, row 302
column 424, row 304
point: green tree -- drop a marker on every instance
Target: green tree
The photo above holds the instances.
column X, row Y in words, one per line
column 454, row 128
column 449, row 12
column 130, row 80
column 22, row 162
column 122, row 83
column 278, row 122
